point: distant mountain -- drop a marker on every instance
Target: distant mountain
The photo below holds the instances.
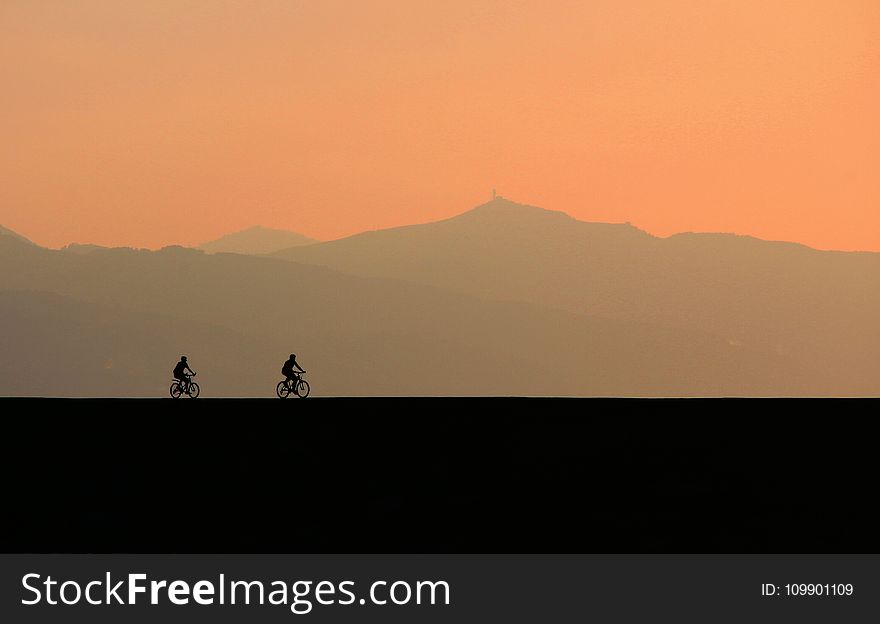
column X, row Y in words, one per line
column 114, row 322
column 110, row 351
column 818, row 306
column 6, row 232
column 81, row 248
column 256, row 240
column 504, row 299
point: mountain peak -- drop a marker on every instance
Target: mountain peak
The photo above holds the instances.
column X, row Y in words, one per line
column 82, row 248
column 505, row 214
column 500, row 207
column 256, row 240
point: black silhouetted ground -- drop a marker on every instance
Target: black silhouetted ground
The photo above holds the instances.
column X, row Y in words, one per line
column 439, row 475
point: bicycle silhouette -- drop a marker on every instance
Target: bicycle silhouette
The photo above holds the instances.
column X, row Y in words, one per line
column 186, row 386
column 295, row 385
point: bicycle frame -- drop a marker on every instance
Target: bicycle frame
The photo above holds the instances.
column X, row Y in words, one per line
column 293, row 380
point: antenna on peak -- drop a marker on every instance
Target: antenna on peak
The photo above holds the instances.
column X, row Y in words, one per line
column 493, row 195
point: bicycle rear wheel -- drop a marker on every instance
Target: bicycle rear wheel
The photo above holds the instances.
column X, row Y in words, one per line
column 282, row 390
column 175, row 391
column 302, row 388
column 194, row 390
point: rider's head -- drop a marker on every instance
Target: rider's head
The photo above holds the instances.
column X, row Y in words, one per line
column 292, row 356
column 183, row 358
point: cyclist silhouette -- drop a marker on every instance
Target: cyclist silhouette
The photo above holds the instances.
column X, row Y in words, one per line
column 180, row 371
column 288, row 369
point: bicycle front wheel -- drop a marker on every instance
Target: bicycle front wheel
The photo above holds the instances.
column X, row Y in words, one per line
column 175, row 391
column 194, row 390
column 302, row 388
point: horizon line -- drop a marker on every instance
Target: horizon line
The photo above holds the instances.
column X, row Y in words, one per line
column 498, row 198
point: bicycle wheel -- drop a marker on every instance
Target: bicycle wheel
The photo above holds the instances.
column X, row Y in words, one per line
column 175, row 391
column 302, row 388
column 282, row 390
column 194, row 390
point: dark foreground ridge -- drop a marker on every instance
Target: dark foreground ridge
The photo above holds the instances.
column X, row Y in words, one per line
column 439, row 475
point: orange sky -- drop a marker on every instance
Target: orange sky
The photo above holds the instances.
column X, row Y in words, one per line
column 150, row 123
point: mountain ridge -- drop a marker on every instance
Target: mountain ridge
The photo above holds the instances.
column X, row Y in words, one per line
column 256, row 240
column 784, row 296
column 356, row 336
column 6, row 232
column 459, row 307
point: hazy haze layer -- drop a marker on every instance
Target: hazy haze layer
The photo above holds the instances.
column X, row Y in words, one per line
column 622, row 313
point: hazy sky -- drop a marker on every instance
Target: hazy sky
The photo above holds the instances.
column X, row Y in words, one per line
column 153, row 122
